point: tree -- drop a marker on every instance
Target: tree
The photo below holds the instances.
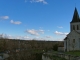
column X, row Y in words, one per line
column 55, row 47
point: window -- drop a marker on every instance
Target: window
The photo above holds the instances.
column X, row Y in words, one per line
column 77, row 27
column 73, row 27
column 73, row 40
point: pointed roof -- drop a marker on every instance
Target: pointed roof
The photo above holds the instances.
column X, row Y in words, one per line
column 65, row 38
column 75, row 16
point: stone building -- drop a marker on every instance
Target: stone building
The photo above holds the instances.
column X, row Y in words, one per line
column 72, row 40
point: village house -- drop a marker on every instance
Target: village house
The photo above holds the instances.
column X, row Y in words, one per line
column 72, row 40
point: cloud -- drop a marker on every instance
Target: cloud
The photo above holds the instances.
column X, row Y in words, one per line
column 59, row 26
column 35, row 32
column 42, row 31
column 26, row 37
column 4, row 17
column 6, row 36
column 14, row 37
column 15, row 22
column 19, row 37
column 48, row 36
column 39, row 1
column 60, row 33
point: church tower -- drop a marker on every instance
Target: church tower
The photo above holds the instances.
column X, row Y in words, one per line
column 75, row 23
column 72, row 40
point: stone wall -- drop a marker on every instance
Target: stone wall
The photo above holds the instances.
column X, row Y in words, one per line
column 61, row 55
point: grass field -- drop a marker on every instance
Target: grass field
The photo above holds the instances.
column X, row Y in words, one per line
column 76, row 53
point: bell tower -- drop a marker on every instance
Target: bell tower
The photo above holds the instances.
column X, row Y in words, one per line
column 75, row 23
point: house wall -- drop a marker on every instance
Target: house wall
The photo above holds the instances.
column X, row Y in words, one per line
column 73, row 46
column 65, row 47
column 73, row 35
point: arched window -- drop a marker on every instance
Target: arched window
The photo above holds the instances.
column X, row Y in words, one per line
column 73, row 27
column 77, row 27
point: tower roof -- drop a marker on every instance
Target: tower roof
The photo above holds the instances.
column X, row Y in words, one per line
column 75, row 16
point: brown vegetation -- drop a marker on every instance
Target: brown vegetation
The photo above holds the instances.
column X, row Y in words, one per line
column 25, row 49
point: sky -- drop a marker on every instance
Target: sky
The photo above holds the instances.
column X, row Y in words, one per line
column 36, row 19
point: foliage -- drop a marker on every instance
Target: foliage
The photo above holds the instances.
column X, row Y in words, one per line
column 55, row 47
column 26, row 49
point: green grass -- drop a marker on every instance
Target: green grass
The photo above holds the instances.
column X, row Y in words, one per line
column 75, row 53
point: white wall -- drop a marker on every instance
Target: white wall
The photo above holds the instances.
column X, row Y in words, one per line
column 71, row 36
